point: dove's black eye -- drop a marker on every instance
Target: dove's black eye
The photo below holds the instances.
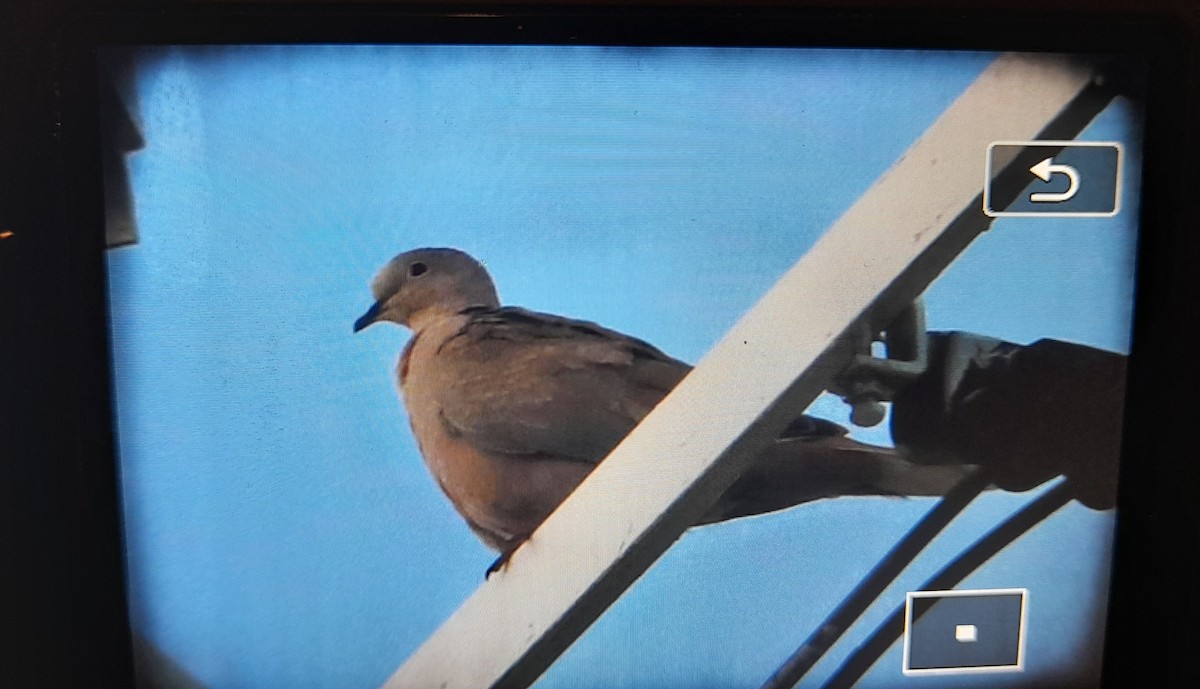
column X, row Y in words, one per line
column 417, row 269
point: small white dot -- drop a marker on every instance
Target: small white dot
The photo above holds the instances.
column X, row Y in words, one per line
column 966, row 633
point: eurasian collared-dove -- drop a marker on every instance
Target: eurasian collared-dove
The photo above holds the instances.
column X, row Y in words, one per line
column 512, row 408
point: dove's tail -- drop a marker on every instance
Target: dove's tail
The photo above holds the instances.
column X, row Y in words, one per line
column 796, row 471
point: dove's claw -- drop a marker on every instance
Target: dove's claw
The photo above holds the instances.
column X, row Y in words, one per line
column 499, row 565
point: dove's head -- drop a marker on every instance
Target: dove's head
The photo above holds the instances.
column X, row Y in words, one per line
column 425, row 285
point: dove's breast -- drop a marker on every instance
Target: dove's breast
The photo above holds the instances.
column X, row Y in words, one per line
column 503, row 497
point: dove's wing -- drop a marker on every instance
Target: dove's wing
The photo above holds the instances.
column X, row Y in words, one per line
column 528, row 383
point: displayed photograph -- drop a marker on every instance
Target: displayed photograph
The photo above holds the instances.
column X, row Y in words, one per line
column 378, row 310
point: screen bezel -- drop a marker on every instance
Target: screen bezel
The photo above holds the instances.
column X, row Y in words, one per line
column 84, row 480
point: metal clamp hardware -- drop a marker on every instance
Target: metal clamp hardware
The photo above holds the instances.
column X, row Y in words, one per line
column 869, row 380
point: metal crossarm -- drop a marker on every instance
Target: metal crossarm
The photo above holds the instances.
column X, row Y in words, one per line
column 1068, row 124
column 890, row 245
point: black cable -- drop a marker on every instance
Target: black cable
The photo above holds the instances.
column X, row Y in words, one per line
column 863, row 657
column 882, row 576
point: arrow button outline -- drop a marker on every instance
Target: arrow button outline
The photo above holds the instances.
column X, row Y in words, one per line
column 1052, row 210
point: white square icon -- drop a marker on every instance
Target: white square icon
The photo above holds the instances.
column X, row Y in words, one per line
column 966, row 633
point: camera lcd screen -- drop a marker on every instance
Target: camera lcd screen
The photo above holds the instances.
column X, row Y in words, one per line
column 281, row 526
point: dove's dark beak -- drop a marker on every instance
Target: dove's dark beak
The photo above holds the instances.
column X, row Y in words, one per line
column 369, row 317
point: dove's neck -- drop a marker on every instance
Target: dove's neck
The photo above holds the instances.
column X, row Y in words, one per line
column 428, row 318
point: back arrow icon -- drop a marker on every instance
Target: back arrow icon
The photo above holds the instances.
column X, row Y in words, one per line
column 1044, row 170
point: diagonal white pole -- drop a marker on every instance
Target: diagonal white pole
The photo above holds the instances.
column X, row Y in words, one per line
column 874, row 260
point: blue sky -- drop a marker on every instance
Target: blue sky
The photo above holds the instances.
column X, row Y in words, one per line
column 281, row 528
